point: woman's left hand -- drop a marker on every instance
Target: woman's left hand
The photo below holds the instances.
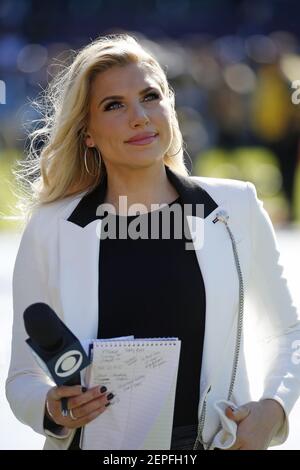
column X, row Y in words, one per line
column 258, row 422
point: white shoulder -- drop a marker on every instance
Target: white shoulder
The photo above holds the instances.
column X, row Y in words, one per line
column 220, row 182
column 44, row 215
column 223, row 188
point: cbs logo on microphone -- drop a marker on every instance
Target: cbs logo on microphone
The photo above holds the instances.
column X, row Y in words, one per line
column 68, row 363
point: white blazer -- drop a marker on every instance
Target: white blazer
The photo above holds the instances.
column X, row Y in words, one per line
column 57, row 263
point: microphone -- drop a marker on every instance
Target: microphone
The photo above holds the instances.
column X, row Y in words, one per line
column 54, row 346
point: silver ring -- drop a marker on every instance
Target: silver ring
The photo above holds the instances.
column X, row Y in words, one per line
column 72, row 416
column 48, row 409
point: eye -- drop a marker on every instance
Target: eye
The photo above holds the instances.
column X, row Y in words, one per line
column 156, row 95
column 112, row 105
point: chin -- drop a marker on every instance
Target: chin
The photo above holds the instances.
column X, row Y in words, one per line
column 149, row 159
column 144, row 161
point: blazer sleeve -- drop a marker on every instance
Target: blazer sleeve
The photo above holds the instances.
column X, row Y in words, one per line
column 276, row 314
column 27, row 384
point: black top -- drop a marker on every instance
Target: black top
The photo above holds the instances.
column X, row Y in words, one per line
column 154, row 288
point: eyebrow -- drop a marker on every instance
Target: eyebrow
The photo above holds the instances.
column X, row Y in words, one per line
column 118, row 97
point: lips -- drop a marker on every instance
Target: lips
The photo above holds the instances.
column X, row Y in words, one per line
column 142, row 138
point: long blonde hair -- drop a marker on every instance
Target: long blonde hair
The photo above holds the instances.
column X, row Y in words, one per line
column 58, row 170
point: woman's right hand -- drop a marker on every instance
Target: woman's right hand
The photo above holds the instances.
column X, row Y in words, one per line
column 84, row 405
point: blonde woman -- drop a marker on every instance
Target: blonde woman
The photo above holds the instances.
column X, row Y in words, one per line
column 112, row 132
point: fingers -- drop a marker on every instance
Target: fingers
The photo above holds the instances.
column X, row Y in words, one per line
column 239, row 414
column 92, row 413
column 57, row 393
column 85, row 406
column 89, row 402
column 237, row 444
column 90, row 407
column 90, row 417
column 89, row 395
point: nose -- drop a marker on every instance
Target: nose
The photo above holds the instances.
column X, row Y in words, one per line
column 138, row 117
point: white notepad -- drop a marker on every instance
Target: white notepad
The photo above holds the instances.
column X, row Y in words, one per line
column 142, row 374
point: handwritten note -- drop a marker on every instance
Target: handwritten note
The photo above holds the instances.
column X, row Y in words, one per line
column 142, row 375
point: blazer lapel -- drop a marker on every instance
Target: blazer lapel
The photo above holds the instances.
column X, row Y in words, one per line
column 215, row 257
column 79, row 249
column 214, row 253
column 78, row 268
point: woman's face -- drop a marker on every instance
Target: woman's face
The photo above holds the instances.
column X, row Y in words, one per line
column 120, row 109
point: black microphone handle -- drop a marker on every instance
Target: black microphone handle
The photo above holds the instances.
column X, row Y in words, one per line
column 74, row 380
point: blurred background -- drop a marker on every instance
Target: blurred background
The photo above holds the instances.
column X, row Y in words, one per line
column 235, row 68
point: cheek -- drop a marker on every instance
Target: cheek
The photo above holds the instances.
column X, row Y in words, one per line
column 167, row 117
column 164, row 115
column 104, row 129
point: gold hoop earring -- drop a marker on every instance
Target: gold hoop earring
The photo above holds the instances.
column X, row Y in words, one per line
column 85, row 161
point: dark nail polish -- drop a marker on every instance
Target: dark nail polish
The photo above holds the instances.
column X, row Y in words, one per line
column 107, row 404
column 103, row 389
column 110, row 396
column 84, row 389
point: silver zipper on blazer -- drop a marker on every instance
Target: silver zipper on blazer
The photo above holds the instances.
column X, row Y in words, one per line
column 199, row 439
column 223, row 216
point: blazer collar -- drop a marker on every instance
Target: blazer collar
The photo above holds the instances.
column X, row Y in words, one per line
column 189, row 191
